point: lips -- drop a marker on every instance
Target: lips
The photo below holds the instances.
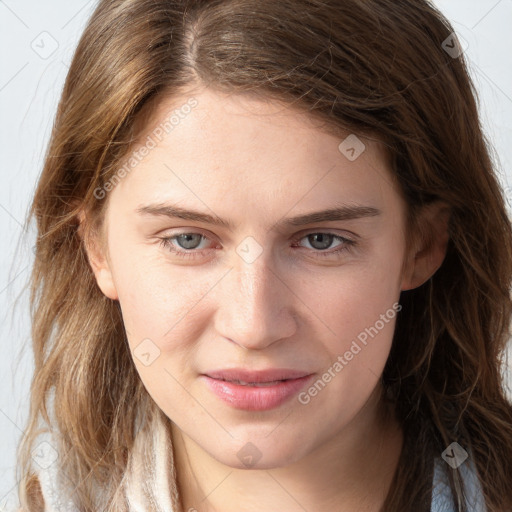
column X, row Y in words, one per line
column 256, row 390
column 243, row 376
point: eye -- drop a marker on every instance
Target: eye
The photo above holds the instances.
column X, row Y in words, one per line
column 188, row 240
column 321, row 241
column 187, row 244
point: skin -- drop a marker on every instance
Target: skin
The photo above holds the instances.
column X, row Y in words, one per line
column 253, row 163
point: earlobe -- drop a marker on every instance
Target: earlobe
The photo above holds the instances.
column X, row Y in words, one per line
column 98, row 258
column 429, row 251
column 105, row 282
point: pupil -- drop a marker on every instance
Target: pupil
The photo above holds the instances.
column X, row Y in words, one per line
column 325, row 244
column 187, row 237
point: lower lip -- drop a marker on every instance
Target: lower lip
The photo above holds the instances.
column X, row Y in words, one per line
column 253, row 398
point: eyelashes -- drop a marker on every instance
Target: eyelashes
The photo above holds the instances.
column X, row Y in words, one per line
column 345, row 245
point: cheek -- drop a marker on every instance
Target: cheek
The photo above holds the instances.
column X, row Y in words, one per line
column 361, row 330
column 355, row 296
column 164, row 310
column 154, row 295
column 358, row 306
column 164, row 318
column 360, row 312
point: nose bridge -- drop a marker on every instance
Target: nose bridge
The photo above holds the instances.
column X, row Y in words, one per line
column 254, row 282
column 255, row 308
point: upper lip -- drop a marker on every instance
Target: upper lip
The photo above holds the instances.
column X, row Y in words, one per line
column 267, row 375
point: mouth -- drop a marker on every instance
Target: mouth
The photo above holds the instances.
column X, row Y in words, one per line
column 256, row 384
column 245, row 376
column 257, row 392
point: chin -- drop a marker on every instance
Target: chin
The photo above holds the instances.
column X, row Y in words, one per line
column 260, row 452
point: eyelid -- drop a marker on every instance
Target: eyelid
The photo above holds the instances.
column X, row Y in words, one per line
column 187, row 231
column 343, row 233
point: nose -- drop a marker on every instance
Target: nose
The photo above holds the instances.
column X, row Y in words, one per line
column 255, row 307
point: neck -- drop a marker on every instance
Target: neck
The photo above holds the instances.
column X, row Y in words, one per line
column 352, row 471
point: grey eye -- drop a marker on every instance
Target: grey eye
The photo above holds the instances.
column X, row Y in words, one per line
column 186, row 240
column 323, row 240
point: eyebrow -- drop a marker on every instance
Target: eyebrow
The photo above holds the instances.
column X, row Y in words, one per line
column 345, row 212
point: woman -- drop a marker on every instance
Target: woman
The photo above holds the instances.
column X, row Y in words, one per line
column 273, row 267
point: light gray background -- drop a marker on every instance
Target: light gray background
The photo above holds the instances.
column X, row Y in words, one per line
column 37, row 40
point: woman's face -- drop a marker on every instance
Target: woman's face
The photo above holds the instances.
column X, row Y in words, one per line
column 264, row 278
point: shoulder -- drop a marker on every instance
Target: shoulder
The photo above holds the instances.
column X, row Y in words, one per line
column 441, row 492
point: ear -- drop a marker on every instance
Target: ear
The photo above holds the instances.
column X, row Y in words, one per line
column 97, row 254
column 428, row 249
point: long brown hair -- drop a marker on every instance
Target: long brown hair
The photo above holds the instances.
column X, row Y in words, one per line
column 375, row 66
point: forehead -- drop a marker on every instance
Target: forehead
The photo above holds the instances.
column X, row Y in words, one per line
column 242, row 114
column 231, row 147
